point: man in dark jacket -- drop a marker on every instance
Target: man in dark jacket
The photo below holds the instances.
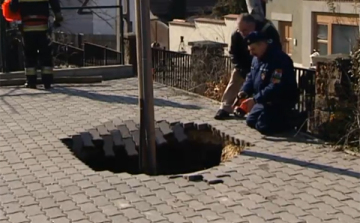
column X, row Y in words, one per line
column 241, row 58
column 271, row 87
column 37, row 44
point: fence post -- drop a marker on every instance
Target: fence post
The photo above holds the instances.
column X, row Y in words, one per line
column 3, row 43
column 105, row 55
column 84, row 55
column 80, row 38
column 122, row 43
column 164, row 68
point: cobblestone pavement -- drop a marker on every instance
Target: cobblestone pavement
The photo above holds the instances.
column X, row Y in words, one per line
column 276, row 181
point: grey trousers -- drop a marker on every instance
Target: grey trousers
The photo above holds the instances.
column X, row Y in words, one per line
column 231, row 91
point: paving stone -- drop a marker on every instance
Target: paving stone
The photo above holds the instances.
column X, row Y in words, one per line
column 33, row 210
column 41, row 180
column 54, row 213
column 75, row 215
column 18, row 218
column 61, row 220
column 98, row 217
column 40, row 219
column 12, row 208
column 176, row 218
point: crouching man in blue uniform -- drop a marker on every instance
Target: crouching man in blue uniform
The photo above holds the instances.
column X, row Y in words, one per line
column 272, row 85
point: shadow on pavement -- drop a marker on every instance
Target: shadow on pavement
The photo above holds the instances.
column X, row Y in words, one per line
column 119, row 98
column 295, row 137
column 327, row 168
column 128, row 99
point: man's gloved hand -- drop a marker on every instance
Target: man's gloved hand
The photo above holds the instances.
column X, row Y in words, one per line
column 242, row 94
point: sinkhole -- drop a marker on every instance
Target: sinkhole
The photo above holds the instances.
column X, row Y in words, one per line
column 181, row 147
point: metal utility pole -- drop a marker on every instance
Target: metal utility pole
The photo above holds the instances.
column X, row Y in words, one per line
column 120, row 31
column 146, row 92
column 142, row 147
column 117, row 28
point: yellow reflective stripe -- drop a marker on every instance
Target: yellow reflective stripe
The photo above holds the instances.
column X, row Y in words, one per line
column 30, row 71
column 47, row 70
column 33, row 0
column 35, row 28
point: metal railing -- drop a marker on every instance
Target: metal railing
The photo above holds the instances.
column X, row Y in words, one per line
column 172, row 68
column 66, row 55
column 100, row 56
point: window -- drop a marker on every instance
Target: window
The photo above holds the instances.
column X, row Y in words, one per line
column 286, row 36
column 344, row 38
column 334, row 34
column 322, row 39
column 322, row 32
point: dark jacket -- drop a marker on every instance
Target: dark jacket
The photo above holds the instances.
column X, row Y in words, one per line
column 272, row 80
column 35, row 14
column 240, row 56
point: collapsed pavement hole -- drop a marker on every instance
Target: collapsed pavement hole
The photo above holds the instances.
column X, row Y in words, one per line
column 181, row 147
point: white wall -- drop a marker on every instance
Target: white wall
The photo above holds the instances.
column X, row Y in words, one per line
column 201, row 30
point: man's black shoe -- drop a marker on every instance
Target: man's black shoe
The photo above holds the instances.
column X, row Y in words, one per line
column 31, row 86
column 221, row 115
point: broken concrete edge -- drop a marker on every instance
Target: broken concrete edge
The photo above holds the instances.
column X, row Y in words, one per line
column 189, row 125
column 110, row 72
column 202, row 175
column 234, row 139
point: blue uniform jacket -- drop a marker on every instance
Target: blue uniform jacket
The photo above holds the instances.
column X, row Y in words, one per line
column 272, row 80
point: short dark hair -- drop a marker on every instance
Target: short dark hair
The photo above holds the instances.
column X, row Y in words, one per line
column 246, row 17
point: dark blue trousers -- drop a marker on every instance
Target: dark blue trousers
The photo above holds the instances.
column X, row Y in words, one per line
column 268, row 119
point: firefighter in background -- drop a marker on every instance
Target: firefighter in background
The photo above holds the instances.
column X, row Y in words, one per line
column 37, row 44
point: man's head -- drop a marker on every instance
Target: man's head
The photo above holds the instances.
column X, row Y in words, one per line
column 246, row 24
column 257, row 44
